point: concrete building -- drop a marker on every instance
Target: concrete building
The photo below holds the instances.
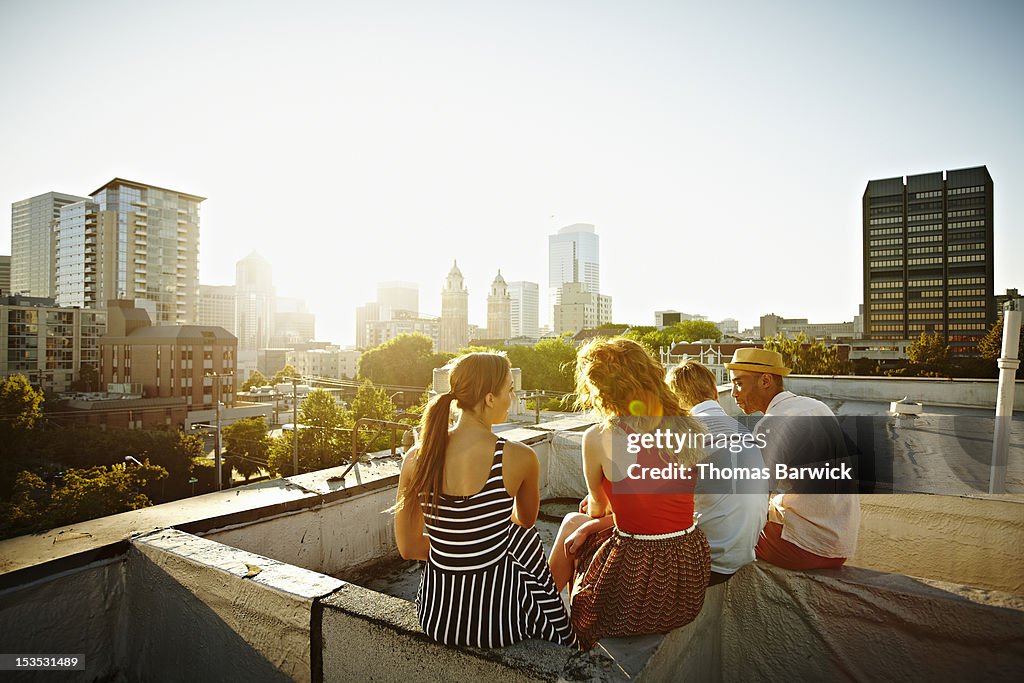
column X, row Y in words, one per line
column 46, row 343
column 131, row 241
column 5, row 275
column 772, row 325
column 573, row 256
column 455, row 333
column 254, row 302
column 380, row 331
column 580, row 309
column 216, row 306
column 499, row 309
column 729, row 326
column 293, row 323
column 928, row 257
column 398, row 299
column 167, row 360
column 330, row 362
column 33, row 247
column 366, row 314
column 525, row 309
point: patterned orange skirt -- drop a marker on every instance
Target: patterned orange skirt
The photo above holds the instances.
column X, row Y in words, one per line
column 624, row 585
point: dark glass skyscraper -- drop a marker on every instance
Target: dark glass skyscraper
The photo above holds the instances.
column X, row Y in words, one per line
column 928, row 257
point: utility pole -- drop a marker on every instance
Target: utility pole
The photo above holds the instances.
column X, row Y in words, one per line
column 295, row 426
column 216, row 405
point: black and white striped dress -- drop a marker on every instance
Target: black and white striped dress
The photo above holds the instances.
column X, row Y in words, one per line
column 486, row 582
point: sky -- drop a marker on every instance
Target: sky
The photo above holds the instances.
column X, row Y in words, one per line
column 720, row 149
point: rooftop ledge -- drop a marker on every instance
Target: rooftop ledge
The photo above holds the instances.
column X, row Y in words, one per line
column 268, row 582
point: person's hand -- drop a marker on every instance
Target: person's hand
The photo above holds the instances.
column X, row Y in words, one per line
column 575, row 541
column 585, row 504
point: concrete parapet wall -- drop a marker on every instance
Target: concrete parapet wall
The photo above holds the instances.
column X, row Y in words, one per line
column 971, row 393
column 200, row 610
column 972, row 541
column 371, row 636
column 328, row 538
column 74, row 612
column 855, row 624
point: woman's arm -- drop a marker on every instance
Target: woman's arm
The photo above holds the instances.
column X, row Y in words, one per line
column 527, row 467
column 594, row 455
column 412, row 544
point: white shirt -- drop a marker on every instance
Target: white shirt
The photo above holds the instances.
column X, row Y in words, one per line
column 823, row 524
column 731, row 521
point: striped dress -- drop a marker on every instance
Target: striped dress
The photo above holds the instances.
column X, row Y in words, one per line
column 486, row 582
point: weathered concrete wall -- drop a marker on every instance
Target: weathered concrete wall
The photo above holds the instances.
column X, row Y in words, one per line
column 327, row 538
column 371, row 636
column 855, row 624
column 561, row 466
column 972, row 541
column 75, row 612
column 199, row 610
column 974, row 393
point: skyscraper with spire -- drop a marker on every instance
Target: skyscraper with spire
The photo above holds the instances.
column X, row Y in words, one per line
column 454, row 312
column 499, row 310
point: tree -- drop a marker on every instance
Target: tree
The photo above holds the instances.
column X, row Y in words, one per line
column 246, row 445
column 285, row 374
column 373, row 403
column 408, row 360
column 991, row 345
column 695, row 330
column 686, row 331
column 323, row 437
column 76, row 495
column 806, row 357
column 20, row 414
column 929, row 356
column 256, row 379
column 547, row 365
column 88, row 379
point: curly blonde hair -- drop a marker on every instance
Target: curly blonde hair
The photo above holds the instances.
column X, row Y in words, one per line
column 619, row 378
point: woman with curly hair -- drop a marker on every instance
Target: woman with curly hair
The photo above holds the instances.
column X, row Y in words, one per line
column 467, row 503
column 637, row 562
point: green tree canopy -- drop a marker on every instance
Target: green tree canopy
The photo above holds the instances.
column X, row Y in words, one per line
column 21, row 406
column 991, row 345
column 246, row 445
column 256, row 379
column 686, row 331
column 547, row 365
column 374, row 403
column 285, row 374
column 408, row 360
column 806, row 357
column 929, row 356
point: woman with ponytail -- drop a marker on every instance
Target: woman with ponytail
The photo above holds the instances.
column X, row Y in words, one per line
column 467, row 503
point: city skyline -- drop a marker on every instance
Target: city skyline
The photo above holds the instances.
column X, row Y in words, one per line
column 364, row 144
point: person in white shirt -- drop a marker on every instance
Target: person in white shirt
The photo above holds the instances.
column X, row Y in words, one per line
column 804, row 530
column 731, row 512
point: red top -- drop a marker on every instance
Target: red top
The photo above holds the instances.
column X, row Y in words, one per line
column 648, row 505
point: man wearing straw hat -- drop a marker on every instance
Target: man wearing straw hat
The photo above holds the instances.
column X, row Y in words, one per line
column 803, row 530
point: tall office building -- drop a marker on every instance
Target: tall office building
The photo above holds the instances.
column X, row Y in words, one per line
column 499, row 310
column 454, row 332
column 216, row 306
column 5, row 275
column 525, row 309
column 928, row 257
column 131, row 241
column 365, row 314
column 573, row 257
column 33, row 249
column 399, row 300
column 254, row 303
column 293, row 323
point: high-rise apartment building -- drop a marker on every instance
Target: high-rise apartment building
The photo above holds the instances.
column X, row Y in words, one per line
column 399, row 299
column 254, row 303
column 525, row 309
column 580, row 309
column 454, row 324
column 928, row 246
column 134, row 242
column 46, row 343
column 33, row 248
column 365, row 314
column 573, row 257
column 499, row 309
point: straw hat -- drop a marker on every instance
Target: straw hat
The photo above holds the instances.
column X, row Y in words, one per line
column 758, row 360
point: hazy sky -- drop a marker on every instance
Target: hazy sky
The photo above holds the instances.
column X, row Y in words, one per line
column 720, row 149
